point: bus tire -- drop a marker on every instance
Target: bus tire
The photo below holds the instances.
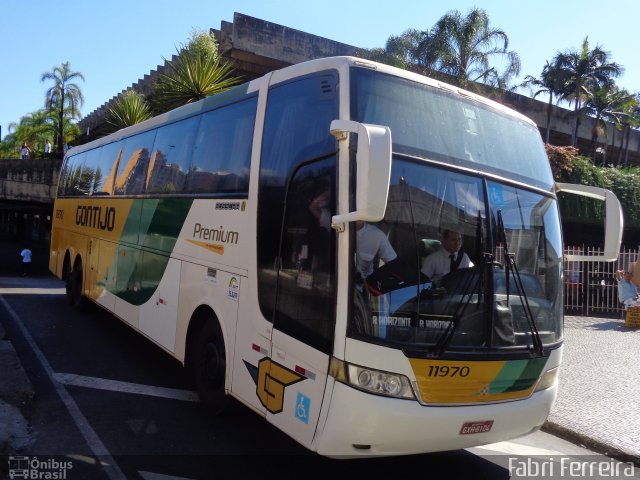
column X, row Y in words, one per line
column 209, row 365
column 74, row 280
column 68, row 287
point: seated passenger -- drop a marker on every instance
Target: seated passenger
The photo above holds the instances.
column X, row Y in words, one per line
column 371, row 245
column 447, row 258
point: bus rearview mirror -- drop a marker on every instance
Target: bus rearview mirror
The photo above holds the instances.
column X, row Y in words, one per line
column 373, row 161
column 613, row 221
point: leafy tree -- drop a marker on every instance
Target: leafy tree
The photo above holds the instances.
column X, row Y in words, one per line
column 400, row 51
column 129, row 108
column 608, row 105
column 631, row 120
column 196, row 73
column 63, row 99
column 551, row 81
column 34, row 129
column 571, row 167
column 583, row 71
column 464, row 47
column 9, row 146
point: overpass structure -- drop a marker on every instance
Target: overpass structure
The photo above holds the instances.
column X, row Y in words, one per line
column 27, row 190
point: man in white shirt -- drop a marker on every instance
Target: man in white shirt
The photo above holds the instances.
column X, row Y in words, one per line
column 47, row 149
column 371, row 244
column 447, row 258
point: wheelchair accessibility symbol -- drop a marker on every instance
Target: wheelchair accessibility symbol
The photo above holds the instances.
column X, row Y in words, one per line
column 302, row 407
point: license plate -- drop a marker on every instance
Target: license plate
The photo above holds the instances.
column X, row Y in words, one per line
column 469, row 428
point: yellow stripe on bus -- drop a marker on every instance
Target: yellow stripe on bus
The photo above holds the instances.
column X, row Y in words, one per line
column 214, row 247
column 460, row 381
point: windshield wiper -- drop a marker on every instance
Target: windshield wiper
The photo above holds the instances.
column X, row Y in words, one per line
column 510, row 267
column 468, row 288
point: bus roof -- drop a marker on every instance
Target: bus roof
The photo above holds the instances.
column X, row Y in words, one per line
column 238, row 92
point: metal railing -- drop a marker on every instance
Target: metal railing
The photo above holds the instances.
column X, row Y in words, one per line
column 590, row 288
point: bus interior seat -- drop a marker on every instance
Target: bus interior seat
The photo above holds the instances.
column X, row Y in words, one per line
column 427, row 246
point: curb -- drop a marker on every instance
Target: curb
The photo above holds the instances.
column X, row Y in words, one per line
column 590, row 443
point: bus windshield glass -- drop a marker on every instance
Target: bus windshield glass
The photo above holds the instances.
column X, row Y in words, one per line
column 435, row 123
column 500, row 291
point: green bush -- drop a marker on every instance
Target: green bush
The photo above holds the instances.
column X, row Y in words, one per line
column 571, row 167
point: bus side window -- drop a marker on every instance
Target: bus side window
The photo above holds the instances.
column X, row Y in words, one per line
column 106, row 168
column 222, row 150
column 171, row 156
column 133, row 166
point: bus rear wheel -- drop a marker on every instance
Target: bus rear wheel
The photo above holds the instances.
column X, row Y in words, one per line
column 68, row 282
column 74, row 287
column 209, row 366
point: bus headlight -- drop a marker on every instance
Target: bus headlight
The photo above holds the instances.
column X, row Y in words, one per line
column 547, row 380
column 371, row 380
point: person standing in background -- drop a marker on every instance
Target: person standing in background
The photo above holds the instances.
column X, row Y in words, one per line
column 26, row 255
column 24, row 151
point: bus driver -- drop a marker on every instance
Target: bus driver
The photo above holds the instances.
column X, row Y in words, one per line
column 447, row 257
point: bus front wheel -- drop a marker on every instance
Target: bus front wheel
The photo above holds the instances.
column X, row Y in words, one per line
column 209, row 367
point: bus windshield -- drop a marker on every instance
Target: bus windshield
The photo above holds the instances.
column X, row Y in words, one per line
column 460, row 262
column 501, row 290
column 434, row 123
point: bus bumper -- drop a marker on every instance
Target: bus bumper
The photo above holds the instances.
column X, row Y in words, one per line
column 360, row 425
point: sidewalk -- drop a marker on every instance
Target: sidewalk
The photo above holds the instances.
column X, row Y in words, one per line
column 597, row 404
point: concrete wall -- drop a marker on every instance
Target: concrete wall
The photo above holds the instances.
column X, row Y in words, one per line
column 31, row 180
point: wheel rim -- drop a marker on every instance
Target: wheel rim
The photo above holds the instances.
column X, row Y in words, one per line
column 212, row 365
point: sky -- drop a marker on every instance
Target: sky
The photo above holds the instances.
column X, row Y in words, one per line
column 113, row 43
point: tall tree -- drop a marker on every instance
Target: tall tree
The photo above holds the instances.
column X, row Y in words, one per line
column 64, row 99
column 465, row 46
column 196, row 73
column 608, row 104
column 33, row 129
column 551, row 81
column 584, row 70
column 632, row 120
column 400, row 51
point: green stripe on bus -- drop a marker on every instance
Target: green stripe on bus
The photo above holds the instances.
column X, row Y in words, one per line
column 517, row 375
column 156, row 224
column 529, row 376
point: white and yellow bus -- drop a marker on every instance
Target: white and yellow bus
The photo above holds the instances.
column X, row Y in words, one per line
column 225, row 232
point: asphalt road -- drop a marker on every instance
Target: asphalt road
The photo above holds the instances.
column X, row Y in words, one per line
column 117, row 407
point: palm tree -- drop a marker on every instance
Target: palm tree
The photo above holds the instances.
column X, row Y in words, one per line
column 33, row 129
column 196, row 73
column 128, row 109
column 632, row 119
column 463, row 47
column 64, row 98
column 585, row 70
column 608, row 105
column 551, row 82
column 400, row 51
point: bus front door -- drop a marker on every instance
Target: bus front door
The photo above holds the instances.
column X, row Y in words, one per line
column 302, row 338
